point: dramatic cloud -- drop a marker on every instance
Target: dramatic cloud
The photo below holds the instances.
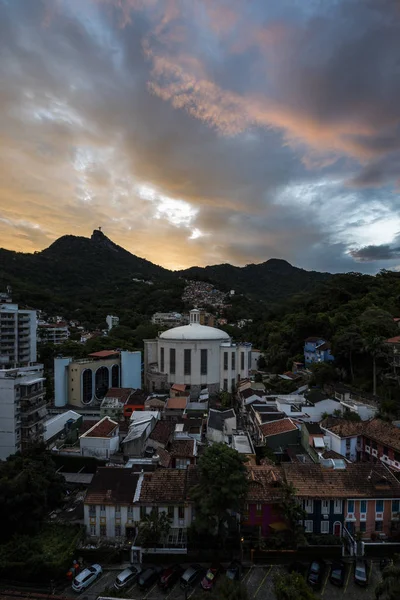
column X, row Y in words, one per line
column 205, row 131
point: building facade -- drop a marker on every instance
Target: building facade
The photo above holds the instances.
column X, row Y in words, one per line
column 197, row 356
column 17, row 336
column 22, row 408
column 112, row 321
column 50, row 333
column 317, row 350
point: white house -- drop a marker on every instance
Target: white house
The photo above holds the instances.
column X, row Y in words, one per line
column 112, row 321
column 220, row 425
column 197, row 356
column 342, row 437
column 101, row 440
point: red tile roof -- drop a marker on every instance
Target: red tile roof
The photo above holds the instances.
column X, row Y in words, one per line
column 178, row 403
column 121, row 393
column 276, row 427
column 265, row 483
column 104, row 354
column 342, row 427
column 383, row 433
column 162, row 432
column 394, row 340
column 163, row 486
column 182, row 448
column 357, row 480
column 179, row 387
column 165, row 457
column 103, row 428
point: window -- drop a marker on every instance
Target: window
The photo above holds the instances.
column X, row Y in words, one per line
column 225, row 385
column 117, row 510
column 115, row 376
column 233, row 385
column 92, row 510
column 118, row 531
column 172, row 361
column 87, row 386
column 101, row 382
column 378, row 525
column 325, row 507
column 308, row 526
column 348, row 444
column 233, row 361
column 103, row 530
column 397, row 456
column 309, row 506
column 363, row 506
column 203, row 362
column 142, row 512
column 337, row 507
column 379, row 506
column 395, row 507
column 93, row 530
column 242, row 361
column 363, row 526
column 182, row 463
column 374, row 446
column 181, row 512
column 171, row 511
column 130, row 512
column 187, row 361
column 324, row 526
column 225, row 361
column 102, row 508
column 385, row 451
column 162, row 361
column 258, row 509
column 350, row 506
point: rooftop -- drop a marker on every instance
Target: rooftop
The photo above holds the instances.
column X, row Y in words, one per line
column 216, row 418
column 383, row 432
column 182, row 448
column 313, row 428
column 162, row 432
column 177, row 403
column 163, row 486
column 241, row 442
column 179, row 387
column 112, row 485
column 122, row 394
column 103, row 429
column 277, row 427
column 394, row 340
column 356, row 480
column 194, row 331
column 342, row 427
column 104, row 354
column 264, row 483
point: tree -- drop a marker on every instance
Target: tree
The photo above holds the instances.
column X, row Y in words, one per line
column 347, row 343
column 322, row 373
column 221, row 489
column 153, row 528
column 389, row 587
column 292, row 512
column 292, row 586
column 261, row 362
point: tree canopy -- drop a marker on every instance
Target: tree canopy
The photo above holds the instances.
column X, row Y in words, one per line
column 292, row 586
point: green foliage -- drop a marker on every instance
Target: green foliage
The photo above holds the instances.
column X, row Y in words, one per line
column 153, row 529
column 29, row 489
column 222, row 488
column 292, row 512
column 389, row 587
column 225, row 399
column 322, row 374
column 261, row 363
column 227, row 590
column 292, row 586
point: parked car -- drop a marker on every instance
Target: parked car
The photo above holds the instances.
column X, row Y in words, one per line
column 297, row 567
column 191, row 576
column 338, row 573
column 148, row 577
column 127, row 577
column 86, row 577
column 208, row 581
column 361, row 572
column 234, row 571
column 169, row 577
column 315, row 573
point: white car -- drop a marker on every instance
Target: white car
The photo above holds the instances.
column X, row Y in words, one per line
column 86, row 577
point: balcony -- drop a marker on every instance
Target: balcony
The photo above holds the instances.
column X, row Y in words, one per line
column 33, row 394
column 29, row 408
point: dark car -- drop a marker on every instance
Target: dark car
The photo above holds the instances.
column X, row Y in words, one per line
column 148, row 576
column 127, row 577
column 169, row 577
column 361, row 572
column 315, row 573
column 234, row 571
column 208, row 581
column 191, row 576
column 297, row 567
column 338, row 573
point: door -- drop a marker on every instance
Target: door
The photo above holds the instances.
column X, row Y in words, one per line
column 337, row 529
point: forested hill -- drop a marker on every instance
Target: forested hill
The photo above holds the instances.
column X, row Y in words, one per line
column 95, row 273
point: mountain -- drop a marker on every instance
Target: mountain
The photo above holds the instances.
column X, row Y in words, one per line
column 271, row 281
column 76, row 275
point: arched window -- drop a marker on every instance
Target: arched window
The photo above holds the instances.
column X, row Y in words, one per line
column 102, row 382
column 87, row 386
column 115, row 376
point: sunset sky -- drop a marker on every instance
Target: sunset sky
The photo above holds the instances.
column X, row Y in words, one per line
column 204, row 131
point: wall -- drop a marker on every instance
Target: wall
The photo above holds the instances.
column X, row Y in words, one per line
column 9, row 439
column 283, row 439
column 371, row 516
column 255, row 355
column 318, row 517
column 99, row 447
column 75, row 371
column 215, row 435
column 131, row 369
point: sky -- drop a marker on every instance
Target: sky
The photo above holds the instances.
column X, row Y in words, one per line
column 200, row 132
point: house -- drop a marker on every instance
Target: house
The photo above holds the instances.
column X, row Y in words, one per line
column 135, row 402
column 343, row 437
column 140, row 428
column 155, row 403
column 241, row 442
column 175, row 406
column 178, row 389
column 262, row 512
column 101, row 440
column 178, row 454
column 381, row 441
column 220, row 425
column 109, row 505
column 313, row 440
column 188, row 428
column 258, row 414
column 279, row 434
column 162, row 434
column 308, row 407
column 248, row 395
column 113, row 403
column 353, row 401
column 196, row 409
column 61, row 425
column 317, row 350
column 165, row 491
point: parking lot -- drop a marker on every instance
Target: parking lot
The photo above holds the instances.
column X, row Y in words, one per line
column 258, row 580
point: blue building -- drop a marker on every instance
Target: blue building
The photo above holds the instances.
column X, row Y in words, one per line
column 317, row 350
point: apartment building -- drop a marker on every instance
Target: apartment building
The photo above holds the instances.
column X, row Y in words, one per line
column 52, row 333
column 22, row 408
column 17, row 335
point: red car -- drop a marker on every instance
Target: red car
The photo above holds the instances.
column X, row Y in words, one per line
column 207, row 583
column 169, row 577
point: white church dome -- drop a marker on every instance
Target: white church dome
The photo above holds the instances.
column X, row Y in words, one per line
column 194, row 331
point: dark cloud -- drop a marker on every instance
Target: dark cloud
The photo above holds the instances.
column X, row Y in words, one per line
column 376, row 253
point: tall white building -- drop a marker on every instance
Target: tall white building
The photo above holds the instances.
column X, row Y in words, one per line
column 17, row 336
column 52, row 333
column 22, row 408
column 197, row 356
column 112, row 321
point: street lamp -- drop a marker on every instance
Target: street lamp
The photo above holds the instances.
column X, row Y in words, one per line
column 241, row 549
